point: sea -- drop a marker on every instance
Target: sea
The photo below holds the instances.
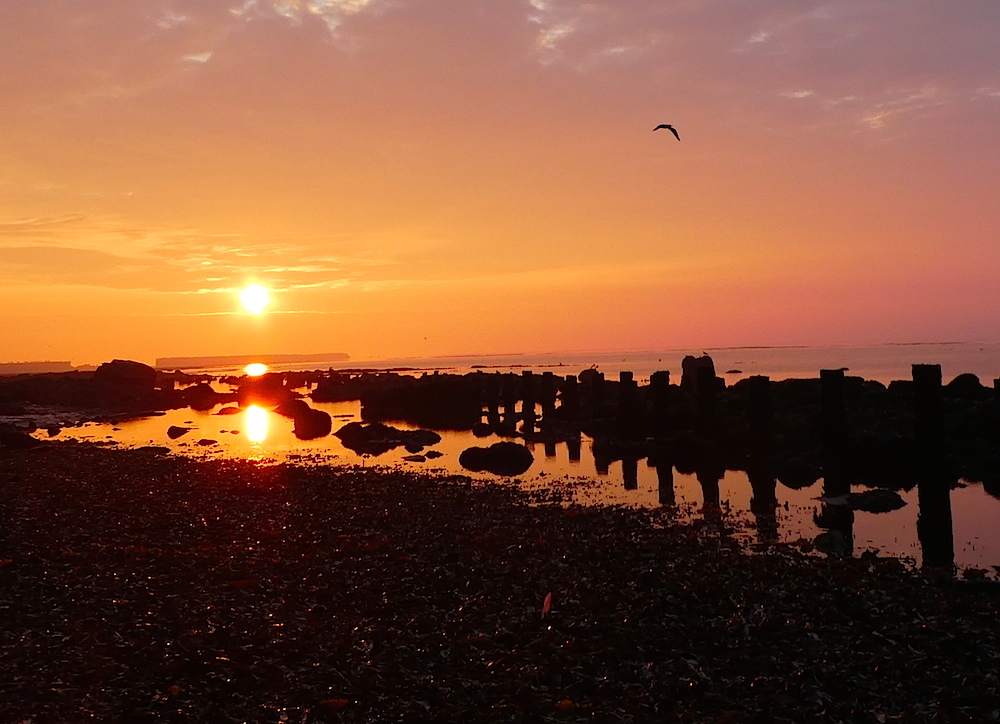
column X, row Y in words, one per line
column 560, row 475
column 883, row 363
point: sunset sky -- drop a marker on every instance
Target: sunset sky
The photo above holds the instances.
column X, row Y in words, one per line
column 417, row 177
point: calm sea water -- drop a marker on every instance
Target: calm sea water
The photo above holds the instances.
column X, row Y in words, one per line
column 267, row 437
column 883, row 363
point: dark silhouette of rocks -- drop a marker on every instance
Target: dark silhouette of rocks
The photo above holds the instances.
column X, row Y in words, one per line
column 377, row 438
column 18, row 440
column 126, row 372
column 117, row 387
column 502, row 458
column 202, row 396
column 877, row 500
column 967, row 387
column 309, row 422
column 176, row 431
column 267, row 390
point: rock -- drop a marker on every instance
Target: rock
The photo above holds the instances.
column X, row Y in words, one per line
column 797, row 473
column 967, row 387
column 229, row 411
column 431, row 454
column 202, row 397
column 413, row 447
column 415, row 458
column 126, row 372
column 205, row 442
column 378, row 438
column 502, row 458
column 832, row 542
column 877, row 500
column 311, row 424
column 154, row 449
column 16, row 440
column 481, row 429
column 176, row 431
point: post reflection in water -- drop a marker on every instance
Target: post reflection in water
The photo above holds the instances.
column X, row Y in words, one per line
column 255, row 420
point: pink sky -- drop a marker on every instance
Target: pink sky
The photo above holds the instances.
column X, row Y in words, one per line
column 422, row 177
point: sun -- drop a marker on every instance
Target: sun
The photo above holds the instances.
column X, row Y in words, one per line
column 255, row 298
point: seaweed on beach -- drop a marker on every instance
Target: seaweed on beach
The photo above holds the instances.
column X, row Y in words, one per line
column 137, row 586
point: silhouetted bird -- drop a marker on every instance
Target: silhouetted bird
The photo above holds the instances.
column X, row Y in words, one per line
column 669, row 128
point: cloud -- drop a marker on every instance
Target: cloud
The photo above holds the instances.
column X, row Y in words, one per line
column 77, row 249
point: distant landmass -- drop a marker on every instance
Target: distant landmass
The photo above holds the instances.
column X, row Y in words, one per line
column 179, row 363
column 33, row 368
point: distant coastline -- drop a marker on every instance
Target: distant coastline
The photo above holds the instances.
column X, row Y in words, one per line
column 34, row 368
column 178, row 363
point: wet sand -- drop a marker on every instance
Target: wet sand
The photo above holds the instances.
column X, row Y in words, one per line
column 142, row 587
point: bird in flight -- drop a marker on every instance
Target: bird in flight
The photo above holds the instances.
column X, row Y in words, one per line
column 669, row 128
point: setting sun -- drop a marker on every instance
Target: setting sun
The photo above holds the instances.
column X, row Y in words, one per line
column 255, row 369
column 255, row 298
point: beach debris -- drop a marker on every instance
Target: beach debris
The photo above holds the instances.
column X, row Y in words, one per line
column 547, row 604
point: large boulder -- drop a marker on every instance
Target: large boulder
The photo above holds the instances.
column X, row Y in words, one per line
column 126, row 372
column 309, row 423
column 203, row 397
column 502, row 458
column 967, row 387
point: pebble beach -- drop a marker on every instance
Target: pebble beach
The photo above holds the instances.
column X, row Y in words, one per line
column 146, row 587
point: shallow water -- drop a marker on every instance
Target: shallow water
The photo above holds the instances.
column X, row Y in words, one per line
column 974, row 512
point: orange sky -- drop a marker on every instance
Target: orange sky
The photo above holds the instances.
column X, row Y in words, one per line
column 423, row 177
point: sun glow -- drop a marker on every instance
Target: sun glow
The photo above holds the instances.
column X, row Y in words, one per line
column 255, row 369
column 255, row 298
column 255, row 419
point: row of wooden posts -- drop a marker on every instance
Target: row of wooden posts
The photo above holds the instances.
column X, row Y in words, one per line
column 934, row 487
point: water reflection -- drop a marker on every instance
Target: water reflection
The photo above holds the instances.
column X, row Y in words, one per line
column 255, row 421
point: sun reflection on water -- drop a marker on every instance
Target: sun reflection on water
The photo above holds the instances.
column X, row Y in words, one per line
column 255, row 419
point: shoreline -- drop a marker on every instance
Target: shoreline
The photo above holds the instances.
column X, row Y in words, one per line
column 143, row 587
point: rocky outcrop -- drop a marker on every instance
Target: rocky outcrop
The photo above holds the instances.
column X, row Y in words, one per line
column 502, row 458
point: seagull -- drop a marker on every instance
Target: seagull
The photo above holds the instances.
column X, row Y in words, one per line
column 669, row 128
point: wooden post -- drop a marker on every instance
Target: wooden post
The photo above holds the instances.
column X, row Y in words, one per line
column 659, row 392
column 934, row 521
column 928, row 410
column 573, row 450
column 628, row 400
column 630, row 473
column 547, row 393
column 570, row 406
column 834, row 426
column 706, row 386
column 665, row 482
column 760, row 415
